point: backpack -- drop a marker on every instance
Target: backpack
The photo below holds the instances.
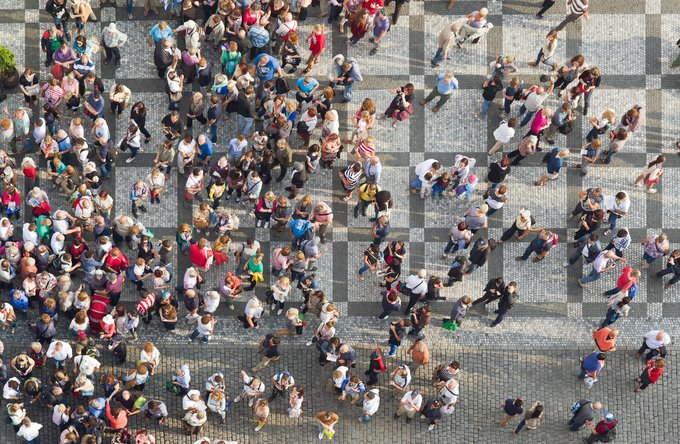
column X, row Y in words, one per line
column 377, row 355
column 576, row 407
column 566, row 128
column 281, row 85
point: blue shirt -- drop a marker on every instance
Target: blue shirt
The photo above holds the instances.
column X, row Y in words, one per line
column 306, row 88
column 258, row 36
column 98, row 105
column 206, row 150
column 591, row 363
column 554, row 162
column 236, row 148
column 157, row 34
column 444, row 87
column 540, row 245
column 381, row 25
column 267, row 71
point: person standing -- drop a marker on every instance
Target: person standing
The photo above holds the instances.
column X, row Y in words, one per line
column 459, row 310
column 503, row 134
column 672, row 266
column 654, row 247
column 29, row 431
column 511, row 408
column 410, row 404
column 605, row 339
column 490, row 90
column 112, row 39
column 492, row 292
column 325, row 421
column 369, row 406
column 398, row 331
column 446, row 85
column 575, row 10
column 507, row 301
column 416, row 288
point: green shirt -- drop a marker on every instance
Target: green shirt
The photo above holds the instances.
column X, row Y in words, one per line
column 43, row 230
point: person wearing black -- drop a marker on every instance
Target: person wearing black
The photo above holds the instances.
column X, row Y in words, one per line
column 493, row 291
column 590, row 223
column 509, row 298
column 458, row 269
column 479, row 253
column 433, row 286
column 420, row 317
column 390, row 303
column 375, row 367
column 498, row 171
column 511, row 408
column 588, row 81
column 59, row 12
column 593, row 250
column 383, row 202
column 91, row 83
column 171, row 125
column 138, row 115
column 163, row 56
column 547, row 4
column 432, row 412
column 489, row 91
column 245, row 108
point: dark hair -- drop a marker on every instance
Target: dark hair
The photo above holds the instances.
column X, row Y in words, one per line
column 601, row 356
column 593, row 237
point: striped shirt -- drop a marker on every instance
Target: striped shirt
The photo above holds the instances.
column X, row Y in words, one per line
column 352, row 177
column 578, row 6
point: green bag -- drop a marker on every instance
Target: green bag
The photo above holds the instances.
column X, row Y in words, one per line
column 172, row 388
column 450, row 325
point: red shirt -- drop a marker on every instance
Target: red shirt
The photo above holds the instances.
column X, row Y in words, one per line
column 30, row 173
column 373, row 5
column 653, row 373
column 199, row 256
column 317, row 43
column 624, row 282
column 117, row 263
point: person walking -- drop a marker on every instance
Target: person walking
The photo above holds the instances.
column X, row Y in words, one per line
column 656, row 342
column 458, row 312
column 591, row 367
column 503, row 134
column 602, row 264
column 605, row 339
column 625, row 282
column 492, row 292
column 511, row 408
column 584, row 412
column 672, row 267
column 654, row 247
column 604, row 431
column 446, row 85
column 575, row 10
column 112, row 40
column 541, row 245
column 532, row 418
column 650, row 374
column 651, row 175
column 618, row 306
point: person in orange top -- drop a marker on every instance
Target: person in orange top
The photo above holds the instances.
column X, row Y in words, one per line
column 420, row 355
column 651, row 374
column 605, row 339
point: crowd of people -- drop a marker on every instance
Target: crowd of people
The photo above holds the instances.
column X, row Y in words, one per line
column 73, row 262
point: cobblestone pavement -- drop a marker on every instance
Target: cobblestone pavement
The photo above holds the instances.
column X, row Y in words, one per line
column 534, row 352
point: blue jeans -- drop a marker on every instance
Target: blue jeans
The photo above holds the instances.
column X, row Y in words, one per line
column 106, row 169
column 393, row 349
column 520, row 426
column 528, row 115
column 347, row 93
column 613, row 217
column 195, row 334
column 213, row 133
column 128, row 6
column 365, row 418
column 492, row 210
column 649, row 259
column 506, row 105
column 363, row 269
column 528, row 252
column 485, row 107
column 244, row 125
column 438, row 57
column 452, row 245
column 613, row 291
column 592, row 277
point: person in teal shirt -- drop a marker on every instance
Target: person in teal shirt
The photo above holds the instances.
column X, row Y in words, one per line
column 160, row 31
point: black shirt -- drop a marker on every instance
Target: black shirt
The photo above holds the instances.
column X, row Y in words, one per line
column 244, row 106
column 384, row 200
column 497, row 174
column 491, row 90
column 176, row 127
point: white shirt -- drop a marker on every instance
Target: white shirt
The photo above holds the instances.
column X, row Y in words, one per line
column 65, row 353
column 58, row 418
column 423, row 167
column 211, row 302
column 146, row 357
column 204, row 329
column 600, row 262
column 30, row 432
column 249, row 389
column 402, row 381
column 253, row 309
column 653, row 343
column 534, row 101
column 10, row 393
column 412, row 404
column 416, row 284
column 504, row 133
column 86, row 364
column 370, row 406
column 338, row 382
column 30, row 236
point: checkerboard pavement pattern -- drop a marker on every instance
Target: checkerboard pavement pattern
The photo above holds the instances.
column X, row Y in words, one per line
column 632, row 41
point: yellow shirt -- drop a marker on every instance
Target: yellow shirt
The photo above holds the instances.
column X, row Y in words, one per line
column 366, row 194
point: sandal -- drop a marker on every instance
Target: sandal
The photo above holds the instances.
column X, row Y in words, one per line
column 345, row 199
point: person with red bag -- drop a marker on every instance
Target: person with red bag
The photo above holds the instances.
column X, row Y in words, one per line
column 651, row 373
column 375, row 366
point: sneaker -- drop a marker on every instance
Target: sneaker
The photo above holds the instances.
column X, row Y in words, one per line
column 607, row 232
column 321, row 435
column 129, row 159
column 259, row 427
column 309, row 343
column 130, row 16
column 273, row 306
column 237, row 399
column 430, row 427
column 566, row 264
column 538, row 16
column 652, row 191
column 228, row 197
column 238, row 199
column 251, row 401
column 383, row 317
column 231, row 306
column 258, row 224
column 266, row 224
column 279, row 311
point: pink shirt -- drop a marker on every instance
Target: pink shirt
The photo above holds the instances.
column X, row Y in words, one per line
column 539, row 122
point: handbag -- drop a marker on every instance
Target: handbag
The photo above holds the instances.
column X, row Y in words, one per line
column 57, row 71
column 450, row 325
column 589, row 381
column 176, row 96
column 172, row 388
column 566, row 128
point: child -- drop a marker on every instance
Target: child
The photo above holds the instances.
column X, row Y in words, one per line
column 133, row 323
column 360, row 129
column 465, row 190
column 312, row 158
column 428, row 183
column 440, row 185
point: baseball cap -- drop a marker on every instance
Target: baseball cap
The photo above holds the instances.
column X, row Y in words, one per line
column 609, row 416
